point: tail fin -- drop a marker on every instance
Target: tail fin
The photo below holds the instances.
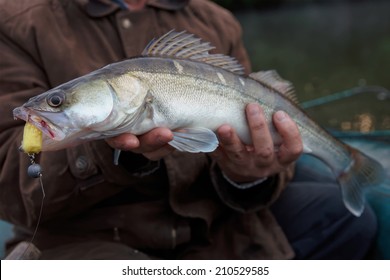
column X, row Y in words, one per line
column 361, row 176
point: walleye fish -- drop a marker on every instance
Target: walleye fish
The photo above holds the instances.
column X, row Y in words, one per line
column 176, row 83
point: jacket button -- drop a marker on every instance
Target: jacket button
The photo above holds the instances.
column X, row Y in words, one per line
column 81, row 163
column 126, row 23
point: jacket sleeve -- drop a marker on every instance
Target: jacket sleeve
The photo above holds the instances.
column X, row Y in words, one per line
column 72, row 178
column 230, row 36
column 20, row 79
column 254, row 198
column 237, row 49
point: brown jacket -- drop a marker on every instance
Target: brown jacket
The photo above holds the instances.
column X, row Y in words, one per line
column 186, row 203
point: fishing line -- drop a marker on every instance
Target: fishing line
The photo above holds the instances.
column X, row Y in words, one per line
column 35, row 171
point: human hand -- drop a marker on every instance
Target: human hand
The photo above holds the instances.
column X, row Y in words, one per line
column 242, row 163
column 153, row 144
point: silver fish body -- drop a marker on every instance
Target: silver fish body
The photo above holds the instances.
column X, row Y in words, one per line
column 179, row 85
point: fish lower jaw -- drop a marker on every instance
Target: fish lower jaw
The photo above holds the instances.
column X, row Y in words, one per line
column 46, row 127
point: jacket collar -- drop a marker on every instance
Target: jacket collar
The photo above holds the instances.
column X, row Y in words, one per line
column 172, row 5
column 101, row 8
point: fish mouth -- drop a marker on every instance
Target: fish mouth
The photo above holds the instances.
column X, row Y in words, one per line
column 41, row 122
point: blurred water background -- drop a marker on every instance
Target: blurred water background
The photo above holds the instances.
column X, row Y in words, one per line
column 325, row 47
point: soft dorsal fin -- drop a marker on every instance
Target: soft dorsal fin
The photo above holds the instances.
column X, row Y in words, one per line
column 272, row 80
column 188, row 46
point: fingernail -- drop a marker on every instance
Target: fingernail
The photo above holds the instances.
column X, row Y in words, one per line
column 162, row 140
column 133, row 142
column 280, row 116
column 225, row 132
column 253, row 109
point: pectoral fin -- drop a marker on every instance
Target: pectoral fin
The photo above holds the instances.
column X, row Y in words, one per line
column 194, row 140
column 117, row 154
column 307, row 149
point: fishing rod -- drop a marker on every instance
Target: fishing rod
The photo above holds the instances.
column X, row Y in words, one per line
column 381, row 92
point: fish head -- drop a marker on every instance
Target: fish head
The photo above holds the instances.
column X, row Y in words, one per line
column 67, row 114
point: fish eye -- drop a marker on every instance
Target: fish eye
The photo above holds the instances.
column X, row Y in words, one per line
column 56, row 99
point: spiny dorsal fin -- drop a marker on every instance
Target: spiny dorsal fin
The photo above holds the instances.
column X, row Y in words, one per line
column 272, row 79
column 188, row 46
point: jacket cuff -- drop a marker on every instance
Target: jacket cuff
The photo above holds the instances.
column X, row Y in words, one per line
column 245, row 200
column 244, row 186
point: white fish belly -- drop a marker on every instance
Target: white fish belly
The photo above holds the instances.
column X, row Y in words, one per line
column 203, row 105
